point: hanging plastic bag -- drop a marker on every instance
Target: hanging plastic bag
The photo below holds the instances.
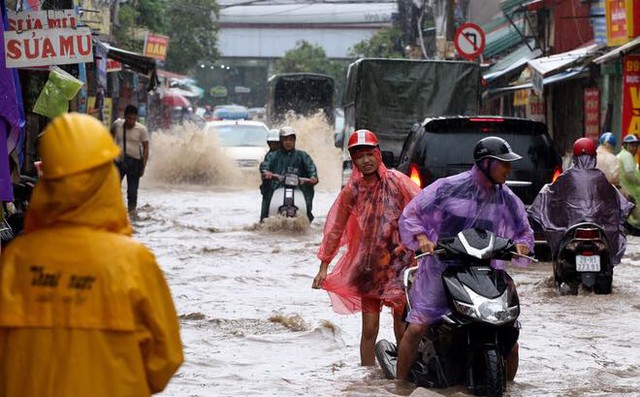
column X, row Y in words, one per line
column 59, row 89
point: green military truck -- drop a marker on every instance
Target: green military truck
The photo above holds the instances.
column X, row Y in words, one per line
column 388, row 96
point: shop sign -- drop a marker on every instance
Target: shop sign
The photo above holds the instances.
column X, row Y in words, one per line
column 48, row 47
column 241, row 90
column 623, row 21
column 592, row 113
column 537, row 80
column 155, row 46
column 32, row 20
column 107, row 109
column 631, row 95
column 535, row 108
column 218, row 91
column 113, row 65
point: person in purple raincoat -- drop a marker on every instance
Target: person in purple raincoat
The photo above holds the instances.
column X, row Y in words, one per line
column 582, row 194
column 475, row 198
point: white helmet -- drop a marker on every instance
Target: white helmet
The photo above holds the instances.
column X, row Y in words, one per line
column 286, row 131
column 273, row 135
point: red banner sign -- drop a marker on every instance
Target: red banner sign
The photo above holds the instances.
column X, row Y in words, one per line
column 155, row 46
column 592, row 113
column 113, row 66
column 623, row 21
column 631, row 95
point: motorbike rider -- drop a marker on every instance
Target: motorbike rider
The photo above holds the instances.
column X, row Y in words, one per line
column 288, row 159
column 84, row 309
column 582, row 194
column 630, row 176
column 607, row 162
column 364, row 217
column 475, row 198
column 273, row 141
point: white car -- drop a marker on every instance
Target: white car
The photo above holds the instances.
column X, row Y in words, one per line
column 244, row 142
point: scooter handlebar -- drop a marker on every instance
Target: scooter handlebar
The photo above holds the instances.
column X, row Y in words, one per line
column 301, row 181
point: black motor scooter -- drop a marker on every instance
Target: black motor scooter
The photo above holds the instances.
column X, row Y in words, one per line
column 583, row 258
column 469, row 345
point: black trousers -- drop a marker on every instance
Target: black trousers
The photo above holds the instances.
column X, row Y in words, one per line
column 132, row 169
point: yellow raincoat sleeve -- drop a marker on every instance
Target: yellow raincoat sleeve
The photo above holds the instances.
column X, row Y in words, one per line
column 158, row 326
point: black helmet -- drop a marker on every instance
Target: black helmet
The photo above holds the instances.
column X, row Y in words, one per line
column 494, row 148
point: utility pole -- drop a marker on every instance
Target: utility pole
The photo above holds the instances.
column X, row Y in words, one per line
column 450, row 32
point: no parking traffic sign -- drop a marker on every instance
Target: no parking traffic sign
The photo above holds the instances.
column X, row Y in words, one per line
column 469, row 40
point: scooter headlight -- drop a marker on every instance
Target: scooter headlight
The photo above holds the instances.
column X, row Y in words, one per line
column 465, row 309
column 494, row 311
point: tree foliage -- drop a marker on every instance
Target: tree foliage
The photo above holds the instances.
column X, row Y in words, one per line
column 193, row 34
column 383, row 44
column 304, row 57
column 123, row 32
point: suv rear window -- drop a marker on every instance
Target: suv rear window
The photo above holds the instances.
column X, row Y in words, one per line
column 456, row 140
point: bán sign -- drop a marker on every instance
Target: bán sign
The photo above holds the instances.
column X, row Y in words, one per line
column 45, row 47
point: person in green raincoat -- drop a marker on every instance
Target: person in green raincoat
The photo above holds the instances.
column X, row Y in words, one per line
column 630, row 176
column 288, row 160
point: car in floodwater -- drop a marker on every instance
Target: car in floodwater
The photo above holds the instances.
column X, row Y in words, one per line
column 243, row 141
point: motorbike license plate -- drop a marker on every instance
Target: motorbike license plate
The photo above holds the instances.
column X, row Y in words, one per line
column 588, row 263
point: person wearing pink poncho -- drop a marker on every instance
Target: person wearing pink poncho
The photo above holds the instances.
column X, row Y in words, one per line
column 364, row 217
column 475, row 198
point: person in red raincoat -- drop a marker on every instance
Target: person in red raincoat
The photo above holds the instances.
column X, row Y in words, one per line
column 364, row 217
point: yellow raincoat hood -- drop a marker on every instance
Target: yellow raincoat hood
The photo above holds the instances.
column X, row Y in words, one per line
column 80, row 185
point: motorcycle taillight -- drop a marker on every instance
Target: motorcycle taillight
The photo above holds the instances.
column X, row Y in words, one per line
column 587, row 234
column 557, row 171
column 414, row 174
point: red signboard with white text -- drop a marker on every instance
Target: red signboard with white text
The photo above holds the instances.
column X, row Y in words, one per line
column 623, row 21
column 592, row 113
column 631, row 95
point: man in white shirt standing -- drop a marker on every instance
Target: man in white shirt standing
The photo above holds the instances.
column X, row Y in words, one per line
column 133, row 139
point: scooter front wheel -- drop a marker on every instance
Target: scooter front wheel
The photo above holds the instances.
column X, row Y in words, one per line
column 387, row 355
column 489, row 373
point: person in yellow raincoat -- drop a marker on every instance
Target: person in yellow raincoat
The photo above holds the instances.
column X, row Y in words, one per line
column 84, row 309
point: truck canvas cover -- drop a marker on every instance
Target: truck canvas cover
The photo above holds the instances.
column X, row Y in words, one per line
column 389, row 95
column 302, row 93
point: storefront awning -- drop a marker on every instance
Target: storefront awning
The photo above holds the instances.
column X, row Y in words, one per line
column 511, row 63
column 136, row 62
column 620, row 51
column 553, row 63
column 566, row 75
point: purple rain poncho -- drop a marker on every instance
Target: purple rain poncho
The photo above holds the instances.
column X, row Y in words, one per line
column 443, row 209
column 582, row 194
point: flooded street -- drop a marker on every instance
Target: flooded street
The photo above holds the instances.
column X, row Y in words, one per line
column 252, row 325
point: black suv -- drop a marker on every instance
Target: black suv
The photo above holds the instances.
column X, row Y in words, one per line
column 443, row 146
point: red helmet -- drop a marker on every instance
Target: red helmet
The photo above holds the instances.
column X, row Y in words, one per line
column 362, row 138
column 584, row 146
